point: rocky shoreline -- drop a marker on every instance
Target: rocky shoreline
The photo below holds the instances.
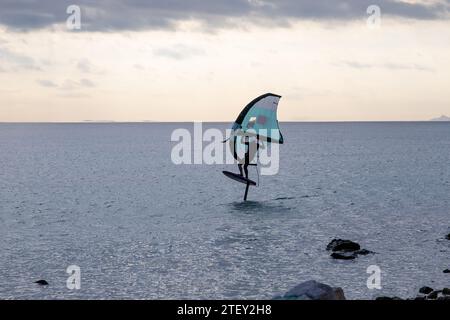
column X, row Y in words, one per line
column 349, row 250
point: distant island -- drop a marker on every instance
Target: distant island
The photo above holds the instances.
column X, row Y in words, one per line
column 99, row 121
column 441, row 118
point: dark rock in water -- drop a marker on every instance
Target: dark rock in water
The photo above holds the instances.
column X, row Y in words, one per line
column 433, row 295
column 346, row 249
column 42, row 282
column 425, row 290
column 446, row 291
column 313, row 290
column 343, row 245
column 388, row 298
column 344, row 255
column 447, row 271
column 447, row 237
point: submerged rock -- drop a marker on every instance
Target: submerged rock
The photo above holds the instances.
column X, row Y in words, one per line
column 425, row 290
column 364, row 252
column 42, row 282
column 447, row 237
column 446, row 271
column 313, row 290
column 344, row 255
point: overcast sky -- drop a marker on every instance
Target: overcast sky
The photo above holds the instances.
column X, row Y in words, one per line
column 183, row 60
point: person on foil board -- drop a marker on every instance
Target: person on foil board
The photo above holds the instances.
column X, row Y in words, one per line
column 257, row 123
column 252, row 144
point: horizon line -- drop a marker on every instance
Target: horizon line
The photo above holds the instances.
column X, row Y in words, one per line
column 195, row 121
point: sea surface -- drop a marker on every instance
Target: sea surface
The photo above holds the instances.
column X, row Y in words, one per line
column 106, row 197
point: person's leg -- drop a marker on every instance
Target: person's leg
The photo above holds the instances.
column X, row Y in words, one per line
column 240, row 169
column 247, row 161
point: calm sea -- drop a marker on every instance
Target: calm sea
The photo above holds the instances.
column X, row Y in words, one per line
column 107, row 198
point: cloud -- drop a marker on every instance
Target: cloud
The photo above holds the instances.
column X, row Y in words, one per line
column 67, row 85
column 355, row 64
column 178, row 52
column 84, row 65
column 113, row 15
column 386, row 65
column 87, row 83
column 414, row 66
column 74, row 95
column 17, row 61
column 47, row 83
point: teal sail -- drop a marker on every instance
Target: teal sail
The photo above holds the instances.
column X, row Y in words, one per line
column 260, row 117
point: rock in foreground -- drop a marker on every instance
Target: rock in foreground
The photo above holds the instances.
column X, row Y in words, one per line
column 313, row 290
column 431, row 294
column 425, row 290
column 42, row 282
column 388, row 298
